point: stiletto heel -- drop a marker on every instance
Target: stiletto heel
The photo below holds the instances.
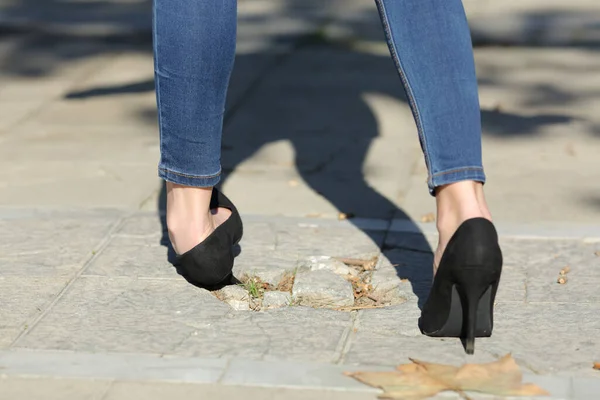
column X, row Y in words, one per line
column 210, row 263
column 461, row 300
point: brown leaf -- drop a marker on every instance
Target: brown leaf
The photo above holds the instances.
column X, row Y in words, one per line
column 421, row 380
column 565, row 270
column 597, row 365
column 562, row 280
column 430, row 217
column 597, row 254
column 367, row 265
column 342, row 216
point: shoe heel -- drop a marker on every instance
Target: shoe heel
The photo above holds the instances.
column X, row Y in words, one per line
column 476, row 295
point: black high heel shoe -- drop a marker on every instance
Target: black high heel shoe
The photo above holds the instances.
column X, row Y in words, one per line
column 210, row 262
column 461, row 300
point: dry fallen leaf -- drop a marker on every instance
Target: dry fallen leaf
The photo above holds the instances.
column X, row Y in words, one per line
column 562, row 280
column 293, row 183
column 428, row 217
column 342, row 216
column 597, row 365
column 597, row 254
column 367, row 265
column 421, row 380
column 565, row 270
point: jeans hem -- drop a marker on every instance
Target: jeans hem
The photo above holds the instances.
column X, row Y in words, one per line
column 189, row 180
column 455, row 175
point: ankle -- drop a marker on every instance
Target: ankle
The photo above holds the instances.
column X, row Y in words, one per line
column 189, row 220
column 458, row 202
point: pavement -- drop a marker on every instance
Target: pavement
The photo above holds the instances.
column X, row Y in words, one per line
column 316, row 125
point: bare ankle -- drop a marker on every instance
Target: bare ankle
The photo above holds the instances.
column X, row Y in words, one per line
column 457, row 203
column 460, row 201
column 189, row 220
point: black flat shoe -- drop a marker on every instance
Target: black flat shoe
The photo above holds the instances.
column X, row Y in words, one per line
column 210, row 263
column 461, row 301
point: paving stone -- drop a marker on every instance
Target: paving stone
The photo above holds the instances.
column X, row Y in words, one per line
column 236, row 296
column 13, row 112
column 583, row 278
column 413, row 266
column 585, row 388
column 276, row 299
column 55, row 245
column 347, row 242
column 268, row 265
column 160, row 391
column 21, row 307
column 291, row 333
column 125, row 315
column 411, row 241
column 322, row 289
column 133, row 257
column 327, row 263
column 548, row 337
column 388, row 287
column 513, row 285
column 390, row 335
column 258, row 234
column 143, row 224
column 107, row 176
column 36, row 388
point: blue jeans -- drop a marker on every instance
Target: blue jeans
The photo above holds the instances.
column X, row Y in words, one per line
column 430, row 44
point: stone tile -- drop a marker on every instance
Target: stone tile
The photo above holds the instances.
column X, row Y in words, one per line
column 161, row 391
column 558, row 387
column 398, row 320
column 23, row 300
column 13, row 112
column 291, row 333
column 298, row 374
column 12, row 388
column 51, row 57
column 143, row 224
column 268, row 265
column 111, row 366
column 411, row 241
column 276, row 299
column 259, row 234
column 374, row 348
column 583, row 278
column 54, row 245
column 82, row 144
column 413, row 266
column 91, row 185
column 322, row 288
column 513, row 285
column 237, row 297
column 109, row 112
column 125, row 315
column 106, row 175
column 547, row 338
column 133, row 257
column 543, row 287
column 310, row 241
column 585, row 388
column 388, row 287
column 271, row 249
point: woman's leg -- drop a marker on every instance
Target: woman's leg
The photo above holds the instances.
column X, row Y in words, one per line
column 431, row 47
column 194, row 49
